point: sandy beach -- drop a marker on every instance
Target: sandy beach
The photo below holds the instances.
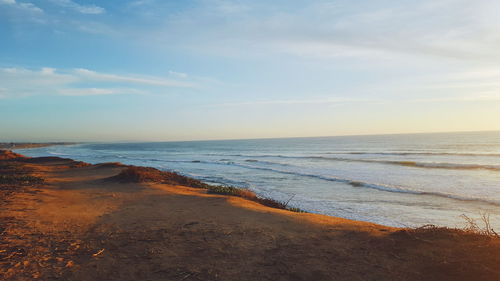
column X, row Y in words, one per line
column 66, row 220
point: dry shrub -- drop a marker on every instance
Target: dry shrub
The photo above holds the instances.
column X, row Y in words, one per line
column 147, row 174
column 46, row 159
column 247, row 194
column 271, row 203
column 10, row 168
column 79, row 164
column 472, row 226
column 20, row 179
column 250, row 195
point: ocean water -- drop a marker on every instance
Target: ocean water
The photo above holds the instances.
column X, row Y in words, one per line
column 397, row 180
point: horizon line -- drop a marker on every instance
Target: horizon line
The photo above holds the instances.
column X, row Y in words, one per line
column 242, row 139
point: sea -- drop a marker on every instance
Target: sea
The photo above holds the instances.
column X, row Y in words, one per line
column 396, row 180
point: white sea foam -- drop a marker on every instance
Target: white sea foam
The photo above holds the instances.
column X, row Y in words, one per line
column 396, row 180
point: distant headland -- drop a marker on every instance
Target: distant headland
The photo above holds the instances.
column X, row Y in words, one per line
column 20, row 145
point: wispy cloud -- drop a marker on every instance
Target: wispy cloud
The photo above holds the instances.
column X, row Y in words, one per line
column 21, row 13
column 154, row 81
column 99, row 91
column 466, row 31
column 478, row 97
column 316, row 101
column 84, row 9
column 178, row 74
column 140, row 3
column 17, row 82
column 23, row 6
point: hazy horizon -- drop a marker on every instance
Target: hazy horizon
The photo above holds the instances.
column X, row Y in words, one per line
column 236, row 139
column 148, row 70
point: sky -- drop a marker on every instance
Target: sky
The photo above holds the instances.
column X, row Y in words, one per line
column 151, row 70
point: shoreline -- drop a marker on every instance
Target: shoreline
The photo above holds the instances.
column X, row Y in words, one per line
column 27, row 145
column 68, row 219
column 444, row 205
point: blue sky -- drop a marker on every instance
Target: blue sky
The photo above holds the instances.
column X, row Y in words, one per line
column 215, row 69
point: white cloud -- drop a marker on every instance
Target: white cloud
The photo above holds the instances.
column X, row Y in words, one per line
column 154, row 81
column 446, row 29
column 140, row 3
column 84, row 9
column 98, row 91
column 177, row 74
column 30, row 7
column 17, row 82
column 22, row 6
column 92, row 27
column 324, row 101
column 477, row 97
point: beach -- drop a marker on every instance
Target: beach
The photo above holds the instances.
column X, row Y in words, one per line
column 68, row 220
column 249, row 140
column 396, row 180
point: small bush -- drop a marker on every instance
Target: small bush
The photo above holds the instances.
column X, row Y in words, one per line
column 13, row 168
column 297, row 210
column 17, row 179
column 247, row 194
column 225, row 190
column 250, row 195
column 473, row 227
column 147, row 174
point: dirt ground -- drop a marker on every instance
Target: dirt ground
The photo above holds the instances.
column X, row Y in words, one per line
column 65, row 220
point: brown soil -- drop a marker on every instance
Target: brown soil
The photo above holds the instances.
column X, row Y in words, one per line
column 7, row 154
column 80, row 225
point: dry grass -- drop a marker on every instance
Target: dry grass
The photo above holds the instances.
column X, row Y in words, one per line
column 147, row 174
column 250, row 195
column 12, row 168
column 472, row 227
column 170, row 236
column 20, row 179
